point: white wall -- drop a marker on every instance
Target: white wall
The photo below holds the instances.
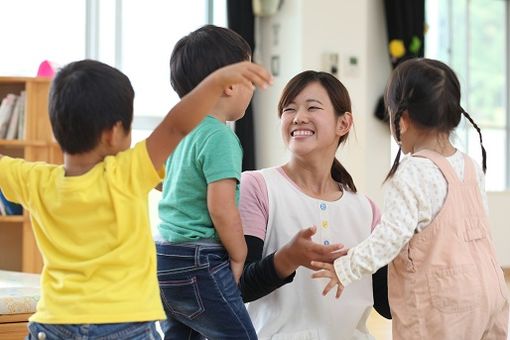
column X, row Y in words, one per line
column 307, row 29
column 499, row 204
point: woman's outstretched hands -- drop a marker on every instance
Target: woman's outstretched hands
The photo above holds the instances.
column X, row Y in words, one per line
column 327, row 270
column 301, row 251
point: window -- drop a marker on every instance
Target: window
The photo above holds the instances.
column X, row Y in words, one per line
column 471, row 36
column 34, row 31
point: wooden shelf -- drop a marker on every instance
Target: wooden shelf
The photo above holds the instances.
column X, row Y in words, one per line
column 24, row 80
column 16, row 143
column 19, row 250
column 12, row 219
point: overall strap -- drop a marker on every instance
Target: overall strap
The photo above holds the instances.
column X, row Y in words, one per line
column 442, row 163
column 469, row 169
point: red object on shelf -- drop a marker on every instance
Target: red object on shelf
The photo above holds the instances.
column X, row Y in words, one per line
column 47, row 69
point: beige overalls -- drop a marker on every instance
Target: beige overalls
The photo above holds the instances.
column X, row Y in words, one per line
column 446, row 282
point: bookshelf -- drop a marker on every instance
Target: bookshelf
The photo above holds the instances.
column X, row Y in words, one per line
column 18, row 248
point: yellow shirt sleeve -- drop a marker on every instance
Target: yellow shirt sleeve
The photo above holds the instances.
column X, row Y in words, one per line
column 14, row 174
column 133, row 170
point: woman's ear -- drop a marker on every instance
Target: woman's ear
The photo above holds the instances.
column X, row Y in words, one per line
column 344, row 124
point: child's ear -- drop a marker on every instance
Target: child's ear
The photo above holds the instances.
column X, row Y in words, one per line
column 404, row 122
column 344, row 124
column 111, row 137
column 229, row 91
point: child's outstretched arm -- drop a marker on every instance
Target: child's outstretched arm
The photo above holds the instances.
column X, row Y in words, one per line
column 227, row 222
column 193, row 107
column 396, row 228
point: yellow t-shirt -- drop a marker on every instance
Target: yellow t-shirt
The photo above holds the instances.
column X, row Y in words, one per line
column 94, row 235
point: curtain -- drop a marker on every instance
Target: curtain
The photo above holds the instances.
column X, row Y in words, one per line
column 405, row 24
column 241, row 20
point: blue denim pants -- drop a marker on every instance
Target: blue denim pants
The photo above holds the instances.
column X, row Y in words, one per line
column 199, row 293
column 109, row 331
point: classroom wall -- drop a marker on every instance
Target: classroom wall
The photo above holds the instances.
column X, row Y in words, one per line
column 300, row 34
column 499, row 203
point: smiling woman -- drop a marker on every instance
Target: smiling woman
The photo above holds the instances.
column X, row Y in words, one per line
column 304, row 210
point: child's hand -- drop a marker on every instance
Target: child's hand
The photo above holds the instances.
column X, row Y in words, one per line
column 327, row 271
column 237, row 269
column 246, row 73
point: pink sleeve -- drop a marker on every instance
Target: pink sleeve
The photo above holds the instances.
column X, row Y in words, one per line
column 376, row 214
column 253, row 204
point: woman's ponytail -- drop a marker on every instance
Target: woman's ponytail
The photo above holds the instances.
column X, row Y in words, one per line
column 341, row 175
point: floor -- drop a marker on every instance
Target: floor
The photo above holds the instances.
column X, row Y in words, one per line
column 380, row 328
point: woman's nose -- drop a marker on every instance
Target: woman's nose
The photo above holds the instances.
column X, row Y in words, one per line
column 300, row 117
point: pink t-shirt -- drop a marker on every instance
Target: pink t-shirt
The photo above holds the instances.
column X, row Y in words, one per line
column 253, row 204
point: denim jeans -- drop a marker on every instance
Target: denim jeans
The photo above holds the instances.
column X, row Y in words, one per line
column 108, row 331
column 199, row 293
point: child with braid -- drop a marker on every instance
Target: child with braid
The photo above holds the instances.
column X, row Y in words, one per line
column 444, row 281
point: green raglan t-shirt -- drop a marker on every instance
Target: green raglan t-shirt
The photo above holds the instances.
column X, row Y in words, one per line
column 211, row 152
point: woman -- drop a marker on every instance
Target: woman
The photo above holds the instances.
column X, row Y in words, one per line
column 311, row 190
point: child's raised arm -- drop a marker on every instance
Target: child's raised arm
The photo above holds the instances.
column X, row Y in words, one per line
column 193, row 107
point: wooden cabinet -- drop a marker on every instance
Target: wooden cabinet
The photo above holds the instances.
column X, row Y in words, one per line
column 18, row 250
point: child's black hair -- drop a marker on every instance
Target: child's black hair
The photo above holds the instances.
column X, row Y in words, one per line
column 202, row 52
column 88, row 97
column 339, row 97
column 429, row 91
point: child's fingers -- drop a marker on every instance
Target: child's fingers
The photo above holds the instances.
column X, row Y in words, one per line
column 339, row 290
column 331, row 284
column 321, row 274
column 322, row 265
column 259, row 76
column 261, row 72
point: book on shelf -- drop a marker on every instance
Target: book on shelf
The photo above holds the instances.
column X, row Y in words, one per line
column 2, row 209
column 6, row 109
column 10, row 207
column 17, row 113
column 21, row 121
column 12, row 116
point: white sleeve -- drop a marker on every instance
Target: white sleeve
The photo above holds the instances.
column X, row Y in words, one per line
column 403, row 198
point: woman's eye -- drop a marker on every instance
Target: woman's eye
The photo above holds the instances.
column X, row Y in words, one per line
column 288, row 109
column 313, row 108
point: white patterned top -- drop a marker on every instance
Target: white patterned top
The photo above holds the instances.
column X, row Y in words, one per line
column 412, row 199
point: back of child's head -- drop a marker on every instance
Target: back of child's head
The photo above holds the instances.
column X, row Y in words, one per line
column 341, row 101
column 88, row 97
column 429, row 91
column 202, row 52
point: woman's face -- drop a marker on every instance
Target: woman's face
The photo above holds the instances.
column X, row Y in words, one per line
column 309, row 123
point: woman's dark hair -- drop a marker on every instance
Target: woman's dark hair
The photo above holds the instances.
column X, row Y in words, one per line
column 202, row 52
column 429, row 91
column 86, row 98
column 341, row 104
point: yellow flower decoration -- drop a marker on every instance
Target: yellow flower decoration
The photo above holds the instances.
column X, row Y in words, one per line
column 397, row 48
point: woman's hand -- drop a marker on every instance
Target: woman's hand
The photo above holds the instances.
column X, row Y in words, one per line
column 301, row 251
column 327, row 270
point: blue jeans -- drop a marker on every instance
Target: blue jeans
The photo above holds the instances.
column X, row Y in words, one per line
column 107, row 331
column 199, row 293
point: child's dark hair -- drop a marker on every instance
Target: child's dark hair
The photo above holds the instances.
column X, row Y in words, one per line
column 202, row 52
column 341, row 104
column 88, row 97
column 429, row 91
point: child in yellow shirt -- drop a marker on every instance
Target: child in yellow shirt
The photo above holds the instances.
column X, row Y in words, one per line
column 89, row 215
